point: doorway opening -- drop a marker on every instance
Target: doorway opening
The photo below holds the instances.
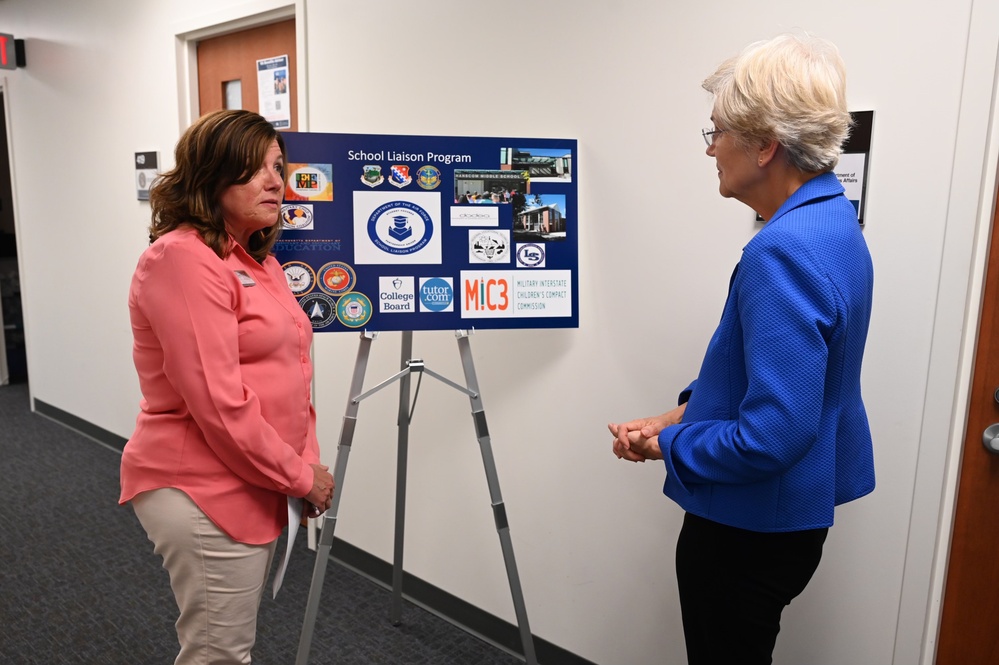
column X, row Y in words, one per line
column 14, row 361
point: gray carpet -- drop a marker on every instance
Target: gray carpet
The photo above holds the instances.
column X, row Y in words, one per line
column 79, row 583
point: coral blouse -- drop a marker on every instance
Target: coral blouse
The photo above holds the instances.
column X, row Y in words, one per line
column 221, row 348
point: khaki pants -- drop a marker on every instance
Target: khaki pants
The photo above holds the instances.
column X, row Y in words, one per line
column 218, row 582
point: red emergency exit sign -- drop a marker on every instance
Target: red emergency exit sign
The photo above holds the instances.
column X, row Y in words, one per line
column 8, row 57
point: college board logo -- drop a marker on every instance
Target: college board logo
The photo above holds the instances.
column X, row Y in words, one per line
column 395, row 294
column 400, row 227
column 320, row 308
column 436, row 294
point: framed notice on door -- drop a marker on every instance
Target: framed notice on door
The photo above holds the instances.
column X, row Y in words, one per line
column 273, row 96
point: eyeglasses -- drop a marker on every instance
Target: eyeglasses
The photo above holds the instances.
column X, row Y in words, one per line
column 711, row 135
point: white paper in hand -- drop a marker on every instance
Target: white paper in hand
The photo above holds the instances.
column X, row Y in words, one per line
column 294, row 521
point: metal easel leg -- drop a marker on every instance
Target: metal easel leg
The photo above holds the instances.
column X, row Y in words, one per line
column 499, row 509
column 395, row 612
column 329, row 521
column 411, row 365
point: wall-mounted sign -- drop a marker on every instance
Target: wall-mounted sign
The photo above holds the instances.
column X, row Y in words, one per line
column 430, row 232
column 11, row 52
column 146, row 164
column 8, row 59
column 855, row 161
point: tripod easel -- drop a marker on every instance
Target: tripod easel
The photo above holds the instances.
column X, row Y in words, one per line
column 410, row 366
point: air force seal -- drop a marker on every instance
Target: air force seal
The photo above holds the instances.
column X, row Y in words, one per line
column 400, row 227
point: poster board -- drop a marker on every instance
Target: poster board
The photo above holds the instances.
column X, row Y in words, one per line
column 386, row 232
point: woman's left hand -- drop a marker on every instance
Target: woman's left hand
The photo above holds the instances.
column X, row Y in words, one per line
column 312, row 510
column 630, row 444
column 638, row 440
column 321, row 495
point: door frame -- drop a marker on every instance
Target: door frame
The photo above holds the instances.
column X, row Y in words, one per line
column 4, row 369
column 246, row 16
column 972, row 191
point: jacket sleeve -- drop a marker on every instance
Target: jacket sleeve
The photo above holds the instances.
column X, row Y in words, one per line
column 787, row 309
column 684, row 395
column 188, row 298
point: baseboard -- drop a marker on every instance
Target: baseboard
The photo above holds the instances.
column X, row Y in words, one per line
column 469, row 618
column 80, row 425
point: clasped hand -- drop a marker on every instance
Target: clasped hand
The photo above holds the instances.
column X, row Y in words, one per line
column 638, row 440
column 320, row 498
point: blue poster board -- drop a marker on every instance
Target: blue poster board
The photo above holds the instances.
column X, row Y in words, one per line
column 385, row 232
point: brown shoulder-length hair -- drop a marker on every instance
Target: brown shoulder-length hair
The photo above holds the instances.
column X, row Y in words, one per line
column 220, row 149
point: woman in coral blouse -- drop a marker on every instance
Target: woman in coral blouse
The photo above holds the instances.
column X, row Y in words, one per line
column 226, row 429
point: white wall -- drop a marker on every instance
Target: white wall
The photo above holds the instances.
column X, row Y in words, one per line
column 593, row 536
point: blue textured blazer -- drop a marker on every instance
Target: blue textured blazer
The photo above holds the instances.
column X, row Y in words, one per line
column 775, row 433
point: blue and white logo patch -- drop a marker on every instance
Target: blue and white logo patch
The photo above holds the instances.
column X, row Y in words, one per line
column 396, row 228
column 530, row 255
column 436, row 294
column 400, row 227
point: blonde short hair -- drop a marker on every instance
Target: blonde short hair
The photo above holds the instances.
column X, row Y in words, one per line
column 791, row 89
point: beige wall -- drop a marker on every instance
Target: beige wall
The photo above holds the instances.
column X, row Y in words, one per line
column 593, row 536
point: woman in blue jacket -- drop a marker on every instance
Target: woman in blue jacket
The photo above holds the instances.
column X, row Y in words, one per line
column 773, row 433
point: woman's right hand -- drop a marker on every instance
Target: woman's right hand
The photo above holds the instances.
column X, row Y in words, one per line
column 321, row 495
column 637, row 440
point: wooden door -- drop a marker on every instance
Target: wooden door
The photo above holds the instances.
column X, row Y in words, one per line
column 234, row 56
column 969, row 626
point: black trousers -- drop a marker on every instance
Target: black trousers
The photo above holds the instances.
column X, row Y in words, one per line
column 734, row 584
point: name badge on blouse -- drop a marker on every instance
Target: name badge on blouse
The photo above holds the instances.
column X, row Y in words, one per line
column 244, row 278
